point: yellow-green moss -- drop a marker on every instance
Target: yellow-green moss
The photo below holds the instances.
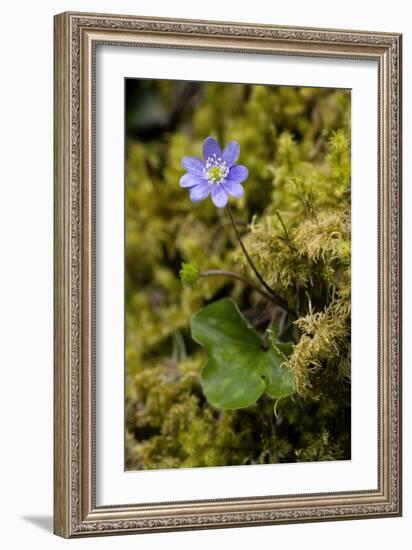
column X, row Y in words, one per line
column 296, row 145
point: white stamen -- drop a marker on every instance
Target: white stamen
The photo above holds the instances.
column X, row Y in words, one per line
column 216, row 169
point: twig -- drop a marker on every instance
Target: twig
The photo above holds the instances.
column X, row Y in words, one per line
column 282, row 325
column 282, row 223
column 286, row 239
column 288, row 243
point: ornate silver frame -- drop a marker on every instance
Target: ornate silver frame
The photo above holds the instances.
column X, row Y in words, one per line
column 76, row 36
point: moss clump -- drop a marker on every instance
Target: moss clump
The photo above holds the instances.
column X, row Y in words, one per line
column 304, row 253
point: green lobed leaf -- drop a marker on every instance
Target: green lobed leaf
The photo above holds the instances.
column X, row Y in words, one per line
column 238, row 370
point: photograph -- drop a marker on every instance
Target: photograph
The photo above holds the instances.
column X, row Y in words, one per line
column 227, row 274
column 237, row 275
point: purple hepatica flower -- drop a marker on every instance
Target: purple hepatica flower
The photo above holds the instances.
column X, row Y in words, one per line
column 217, row 174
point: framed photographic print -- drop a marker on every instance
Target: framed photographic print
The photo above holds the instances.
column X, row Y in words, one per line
column 227, row 274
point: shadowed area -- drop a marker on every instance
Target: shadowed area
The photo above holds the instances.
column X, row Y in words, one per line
column 43, row 522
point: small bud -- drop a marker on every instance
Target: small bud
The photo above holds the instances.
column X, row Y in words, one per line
column 189, row 274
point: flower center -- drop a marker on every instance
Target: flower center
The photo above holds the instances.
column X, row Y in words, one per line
column 215, row 170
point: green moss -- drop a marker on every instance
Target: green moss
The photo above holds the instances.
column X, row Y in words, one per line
column 296, row 145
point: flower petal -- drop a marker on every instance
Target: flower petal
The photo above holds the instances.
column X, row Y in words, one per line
column 231, row 153
column 238, row 173
column 189, row 180
column 233, row 188
column 193, row 165
column 199, row 192
column 219, row 195
column 211, row 147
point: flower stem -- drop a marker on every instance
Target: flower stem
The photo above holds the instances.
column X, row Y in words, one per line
column 239, row 277
column 280, row 301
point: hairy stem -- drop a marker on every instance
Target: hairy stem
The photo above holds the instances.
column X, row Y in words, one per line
column 280, row 301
